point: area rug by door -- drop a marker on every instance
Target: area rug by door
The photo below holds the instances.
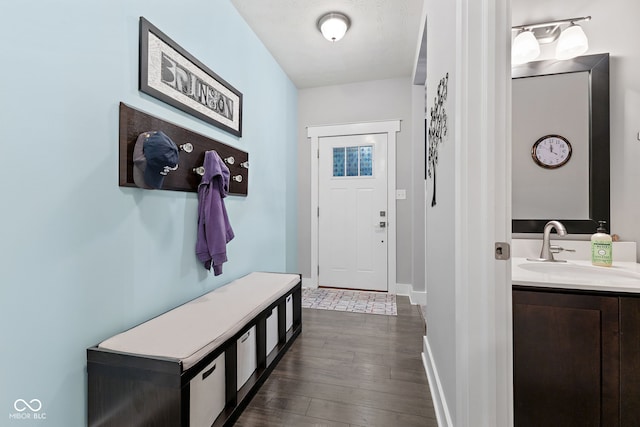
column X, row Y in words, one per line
column 351, row 301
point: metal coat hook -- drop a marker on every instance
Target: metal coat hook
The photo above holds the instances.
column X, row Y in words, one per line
column 237, row 178
column 187, row 147
column 167, row 169
column 190, row 147
column 245, row 164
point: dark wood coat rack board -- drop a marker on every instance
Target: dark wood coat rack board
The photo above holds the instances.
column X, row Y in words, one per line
column 134, row 122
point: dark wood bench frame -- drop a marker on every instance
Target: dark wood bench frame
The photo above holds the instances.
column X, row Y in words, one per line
column 138, row 390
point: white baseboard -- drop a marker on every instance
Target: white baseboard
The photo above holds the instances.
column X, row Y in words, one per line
column 403, row 289
column 437, row 394
column 306, row 283
column 419, row 298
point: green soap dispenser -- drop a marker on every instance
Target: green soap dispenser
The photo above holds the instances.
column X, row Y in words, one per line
column 601, row 247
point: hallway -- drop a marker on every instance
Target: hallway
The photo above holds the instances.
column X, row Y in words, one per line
column 349, row 369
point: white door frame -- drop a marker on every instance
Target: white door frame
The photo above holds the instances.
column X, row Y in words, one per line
column 390, row 128
column 482, row 373
column 484, row 345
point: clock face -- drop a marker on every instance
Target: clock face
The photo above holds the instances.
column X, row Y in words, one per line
column 551, row 151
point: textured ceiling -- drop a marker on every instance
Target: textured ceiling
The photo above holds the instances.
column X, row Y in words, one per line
column 380, row 44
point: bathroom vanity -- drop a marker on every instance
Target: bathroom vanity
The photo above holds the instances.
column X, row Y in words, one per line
column 576, row 339
column 576, row 328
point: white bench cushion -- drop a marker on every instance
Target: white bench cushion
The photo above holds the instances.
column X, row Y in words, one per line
column 191, row 331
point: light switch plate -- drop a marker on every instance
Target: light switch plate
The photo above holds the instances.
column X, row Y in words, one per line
column 401, row 194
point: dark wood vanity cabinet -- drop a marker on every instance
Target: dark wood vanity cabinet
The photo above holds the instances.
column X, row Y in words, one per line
column 630, row 361
column 576, row 358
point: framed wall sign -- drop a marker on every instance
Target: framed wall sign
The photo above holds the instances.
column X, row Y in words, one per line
column 170, row 74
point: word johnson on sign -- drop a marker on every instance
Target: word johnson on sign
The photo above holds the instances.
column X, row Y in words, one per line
column 184, row 81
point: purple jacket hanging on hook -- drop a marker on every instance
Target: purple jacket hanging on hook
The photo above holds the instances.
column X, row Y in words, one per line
column 214, row 230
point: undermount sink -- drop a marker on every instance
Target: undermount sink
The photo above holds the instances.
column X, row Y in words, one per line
column 575, row 271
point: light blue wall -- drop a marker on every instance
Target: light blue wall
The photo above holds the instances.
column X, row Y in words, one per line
column 81, row 258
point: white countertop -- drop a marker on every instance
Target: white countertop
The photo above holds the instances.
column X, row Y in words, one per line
column 622, row 276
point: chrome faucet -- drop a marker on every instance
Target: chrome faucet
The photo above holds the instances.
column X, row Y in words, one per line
column 546, row 254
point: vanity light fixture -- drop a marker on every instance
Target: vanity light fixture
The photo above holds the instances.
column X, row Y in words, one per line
column 572, row 41
column 525, row 47
column 334, row 25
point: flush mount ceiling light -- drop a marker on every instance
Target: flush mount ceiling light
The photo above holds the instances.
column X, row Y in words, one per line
column 572, row 41
column 334, row 25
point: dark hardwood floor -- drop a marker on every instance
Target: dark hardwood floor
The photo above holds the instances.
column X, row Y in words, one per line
column 349, row 369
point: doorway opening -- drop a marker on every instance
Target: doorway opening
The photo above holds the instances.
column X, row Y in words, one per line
column 361, row 214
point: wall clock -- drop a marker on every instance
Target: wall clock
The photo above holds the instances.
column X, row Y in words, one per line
column 551, row 151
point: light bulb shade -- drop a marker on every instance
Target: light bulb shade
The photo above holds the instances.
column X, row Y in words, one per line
column 333, row 26
column 525, row 48
column 572, row 42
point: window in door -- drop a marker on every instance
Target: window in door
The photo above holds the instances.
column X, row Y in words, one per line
column 353, row 161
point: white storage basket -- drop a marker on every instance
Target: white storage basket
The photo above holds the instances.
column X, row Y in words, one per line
column 207, row 394
column 247, row 358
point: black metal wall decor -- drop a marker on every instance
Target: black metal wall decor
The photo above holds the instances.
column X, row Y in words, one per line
column 437, row 130
column 192, row 149
column 171, row 74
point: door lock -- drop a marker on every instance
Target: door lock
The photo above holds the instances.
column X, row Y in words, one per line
column 502, row 251
column 383, row 224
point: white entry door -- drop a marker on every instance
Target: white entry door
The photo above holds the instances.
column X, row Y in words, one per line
column 352, row 216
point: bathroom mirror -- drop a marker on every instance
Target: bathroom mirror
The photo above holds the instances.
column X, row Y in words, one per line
column 567, row 99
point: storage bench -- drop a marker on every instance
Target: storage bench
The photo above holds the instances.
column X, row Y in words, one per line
column 200, row 363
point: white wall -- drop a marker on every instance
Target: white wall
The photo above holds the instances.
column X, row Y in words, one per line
column 468, row 342
column 358, row 102
column 441, row 218
column 419, row 194
column 614, row 29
